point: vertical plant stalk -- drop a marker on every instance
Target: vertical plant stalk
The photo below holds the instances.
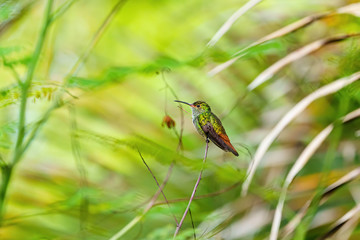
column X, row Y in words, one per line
column 18, row 152
column 58, row 103
column 27, row 83
column 193, row 193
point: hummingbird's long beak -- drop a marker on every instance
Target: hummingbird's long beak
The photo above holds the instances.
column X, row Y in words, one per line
column 184, row 103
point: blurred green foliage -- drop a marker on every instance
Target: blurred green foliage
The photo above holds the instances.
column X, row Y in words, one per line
column 82, row 176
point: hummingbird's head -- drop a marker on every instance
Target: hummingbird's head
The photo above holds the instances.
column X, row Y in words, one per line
column 200, row 106
column 197, row 107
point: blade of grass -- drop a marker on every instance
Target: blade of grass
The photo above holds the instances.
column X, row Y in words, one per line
column 226, row 26
column 339, row 230
column 327, row 163
column 288, row 117
column 278, row 33
column 295, row 55
column 349, row 177
column 299, row 164
column 353, row 9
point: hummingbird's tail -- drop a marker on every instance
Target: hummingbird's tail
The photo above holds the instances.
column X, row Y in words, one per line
column 222, row 141
column 226, row 144
column 231, row 148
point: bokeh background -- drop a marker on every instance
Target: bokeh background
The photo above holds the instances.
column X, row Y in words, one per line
column 82, row 176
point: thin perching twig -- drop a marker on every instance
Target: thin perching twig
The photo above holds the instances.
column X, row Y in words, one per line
column 193, row 193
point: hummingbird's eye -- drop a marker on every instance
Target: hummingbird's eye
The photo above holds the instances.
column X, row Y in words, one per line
column 198, row 106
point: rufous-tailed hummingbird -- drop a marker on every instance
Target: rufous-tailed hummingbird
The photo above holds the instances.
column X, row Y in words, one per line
column 210, row 126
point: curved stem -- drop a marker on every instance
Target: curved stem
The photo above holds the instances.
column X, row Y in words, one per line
column 26, row 85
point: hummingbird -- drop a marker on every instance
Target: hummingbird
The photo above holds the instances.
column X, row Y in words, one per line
column 210, row 126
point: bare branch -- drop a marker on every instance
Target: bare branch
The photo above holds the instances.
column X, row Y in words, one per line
column 193, row 193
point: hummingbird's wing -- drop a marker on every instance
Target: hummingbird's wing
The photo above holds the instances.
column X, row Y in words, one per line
column 221, row 140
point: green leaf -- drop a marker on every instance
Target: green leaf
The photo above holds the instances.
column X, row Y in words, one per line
column 271, row 47
column 162, row 63
column 119, row 72
column 87, row 83
column 20, row 61
column 7, row 50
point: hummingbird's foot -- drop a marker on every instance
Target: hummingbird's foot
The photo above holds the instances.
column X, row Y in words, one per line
column 207, row 140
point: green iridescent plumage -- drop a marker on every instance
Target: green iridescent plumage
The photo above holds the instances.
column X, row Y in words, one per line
column 206, row 117
column 210, row 126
